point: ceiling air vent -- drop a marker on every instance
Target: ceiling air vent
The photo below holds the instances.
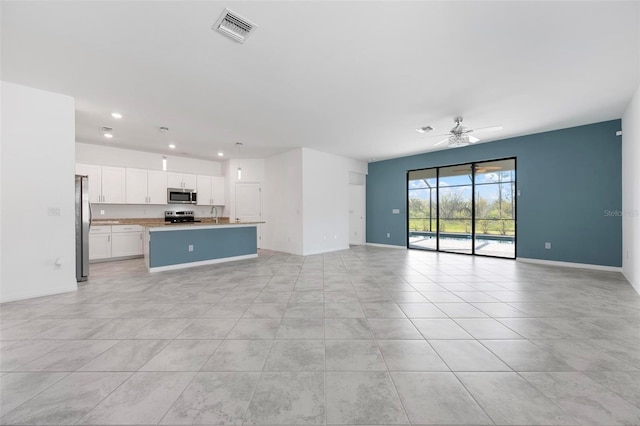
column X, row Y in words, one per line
column 234, row 26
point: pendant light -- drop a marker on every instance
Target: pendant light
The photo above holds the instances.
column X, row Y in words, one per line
column 239, row 170
column 164, row 130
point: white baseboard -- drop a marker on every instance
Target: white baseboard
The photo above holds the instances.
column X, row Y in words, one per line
column 570, row 264
column 49, row 292
column 323, row 251
column 201, row 263
column 386, row 246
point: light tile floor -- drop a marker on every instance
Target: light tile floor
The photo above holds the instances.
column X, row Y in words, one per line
column 362, row 336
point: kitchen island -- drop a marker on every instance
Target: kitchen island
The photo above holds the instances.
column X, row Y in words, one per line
column 177, row 246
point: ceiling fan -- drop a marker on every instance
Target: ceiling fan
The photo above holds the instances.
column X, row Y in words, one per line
column 459, row 134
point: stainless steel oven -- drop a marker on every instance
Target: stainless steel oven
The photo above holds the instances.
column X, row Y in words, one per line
column 181, row 196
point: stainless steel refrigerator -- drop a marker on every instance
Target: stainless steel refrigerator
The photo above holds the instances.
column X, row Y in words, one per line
column 83, row 221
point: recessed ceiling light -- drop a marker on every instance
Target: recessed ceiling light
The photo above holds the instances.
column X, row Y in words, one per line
column 221, row 154
column 163, row 129
column 116, row 115
column 172, row 146
column 108, row 135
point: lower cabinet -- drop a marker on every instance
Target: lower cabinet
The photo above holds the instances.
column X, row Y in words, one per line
column 99, row 242
column 126, row 240
column 106, row 242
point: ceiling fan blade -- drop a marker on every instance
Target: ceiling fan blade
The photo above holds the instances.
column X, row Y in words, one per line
column 443, row 140
column 473, row 139
column 487, row 129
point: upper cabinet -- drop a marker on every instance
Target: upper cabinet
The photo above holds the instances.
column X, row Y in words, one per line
column 137, row 186
column 119, row 185
column 146, row 186
column 157, row 187
column 181, row 180
column 113, row 185
column 106, row 184
column 210, row 190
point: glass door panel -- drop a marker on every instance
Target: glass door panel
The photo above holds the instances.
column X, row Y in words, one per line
column 422, row 209
column 495, row 208
column 455, row 200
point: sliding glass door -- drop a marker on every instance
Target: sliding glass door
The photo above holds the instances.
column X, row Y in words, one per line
column 495, row 208
column 455, row 201
column 423, row 209
column 468, row 208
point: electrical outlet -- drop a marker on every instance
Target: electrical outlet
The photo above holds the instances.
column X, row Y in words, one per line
column 388, row 235
column 102, row 212
column 190, row 247
column 547, row 246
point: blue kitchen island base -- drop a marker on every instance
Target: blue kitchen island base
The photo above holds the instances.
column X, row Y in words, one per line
column 184, row 246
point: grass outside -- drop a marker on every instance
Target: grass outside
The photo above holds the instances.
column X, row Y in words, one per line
column 463, row 226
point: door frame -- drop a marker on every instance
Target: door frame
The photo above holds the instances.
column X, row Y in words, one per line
column 363, row 208
column 235, row 207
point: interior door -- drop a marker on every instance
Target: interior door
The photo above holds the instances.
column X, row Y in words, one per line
column 356, row 214
column 249, row 205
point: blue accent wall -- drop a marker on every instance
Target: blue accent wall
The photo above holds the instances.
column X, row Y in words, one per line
column 171, row 247
column 568, row 180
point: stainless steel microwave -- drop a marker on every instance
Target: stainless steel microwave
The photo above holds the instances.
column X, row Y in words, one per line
column 181, row 196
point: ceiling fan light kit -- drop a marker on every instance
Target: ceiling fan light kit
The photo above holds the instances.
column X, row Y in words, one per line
column 458, row 140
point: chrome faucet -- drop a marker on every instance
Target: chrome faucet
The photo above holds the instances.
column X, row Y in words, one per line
column 215, row 216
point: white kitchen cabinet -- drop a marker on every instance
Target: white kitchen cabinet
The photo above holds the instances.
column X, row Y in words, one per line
column 204, row 190
column 106, row 183
column 181, row 180
column 210, row 190
column 157, row 187
column 126, row 240
column 95, row 180
column 114, row 188
column 99, row 242
column 146, row 186
column 136, row 186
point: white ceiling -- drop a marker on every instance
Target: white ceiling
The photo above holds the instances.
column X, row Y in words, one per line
column 349, row 78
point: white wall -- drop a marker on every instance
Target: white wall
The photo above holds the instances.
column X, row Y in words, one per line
column 631, row 192
column 111, row 156
column 325, row 200
column 37, row 175
column 283, row 202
